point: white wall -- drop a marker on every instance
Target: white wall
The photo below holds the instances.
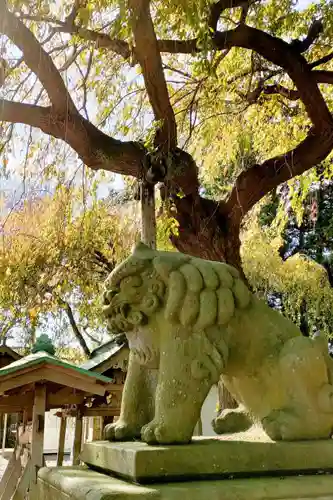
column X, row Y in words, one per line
column 51, row 433
column 208, row 412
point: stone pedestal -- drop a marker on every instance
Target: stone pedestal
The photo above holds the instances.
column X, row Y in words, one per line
column 64, row 483
column 208, row 459
column 240, row 467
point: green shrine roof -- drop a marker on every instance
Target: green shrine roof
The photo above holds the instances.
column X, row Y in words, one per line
column 104, row 352
column 42, row 357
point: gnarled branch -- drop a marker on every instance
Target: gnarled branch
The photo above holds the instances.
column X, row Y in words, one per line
column 259, row 180
column 281, row 54
column 218, row 7
column 96, row 149
column 36, row 59
column 314, row 31
column 149, row 57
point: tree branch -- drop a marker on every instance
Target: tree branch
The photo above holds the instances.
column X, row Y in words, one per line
column 70, row 19
column 259, row 180
column 36, row 59
column 149, row 57
column 122, row 48
column 253, row 95
column 322, row 60
column 96, row 149
column 281, row 54
column 314, row 31
column 218, row 7
column 103, row 41
column 291, row 94
column 322, row 76
column 75, row 328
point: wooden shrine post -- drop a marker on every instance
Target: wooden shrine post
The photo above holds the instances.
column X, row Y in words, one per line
column 61, row 443
column 77, row 438
column 37, row 437
column 97, row 428
column 5, row 422
column 148, row 219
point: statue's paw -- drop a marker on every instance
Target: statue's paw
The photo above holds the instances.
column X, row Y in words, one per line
column 121, row 431
column 232, row 421
column 157, row 433
column 282, row 425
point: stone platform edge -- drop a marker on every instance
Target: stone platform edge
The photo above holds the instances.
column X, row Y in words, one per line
column 209, row 458
column 80, row 483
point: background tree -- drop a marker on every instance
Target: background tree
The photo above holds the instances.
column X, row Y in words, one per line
column 54, row 258
column 52, row 262
column 293, row 227
column 179, row 80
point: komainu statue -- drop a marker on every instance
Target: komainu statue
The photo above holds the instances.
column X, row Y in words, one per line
column 189, row 321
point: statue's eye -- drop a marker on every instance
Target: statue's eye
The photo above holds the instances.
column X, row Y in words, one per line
column 106, row 301
column 124, row 310
column 108, row 296
column 131, row 281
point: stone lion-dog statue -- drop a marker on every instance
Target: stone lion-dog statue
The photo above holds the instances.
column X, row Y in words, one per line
column 189, row 322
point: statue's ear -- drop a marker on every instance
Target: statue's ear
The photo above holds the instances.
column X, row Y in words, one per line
column 143, row 251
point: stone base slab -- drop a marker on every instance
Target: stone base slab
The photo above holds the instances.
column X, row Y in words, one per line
column 80, row 483
column 231, row 456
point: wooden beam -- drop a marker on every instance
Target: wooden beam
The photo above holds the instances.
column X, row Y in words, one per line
column 37, row 437
column 62, row 378
column 20, row 380
column 12, row 478
column 9, row 469
column 77, row 438
column 101, row 412
column 61, row 443
column 5, row 423
column 22, row 371
column 66, row 395
column 10, row 409
column 23, row 485
column 21, row 400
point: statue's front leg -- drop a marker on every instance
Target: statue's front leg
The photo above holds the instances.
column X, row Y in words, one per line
column 188, row 369
column 137, row 405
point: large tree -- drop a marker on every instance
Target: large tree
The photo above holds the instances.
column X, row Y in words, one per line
column 77, row 69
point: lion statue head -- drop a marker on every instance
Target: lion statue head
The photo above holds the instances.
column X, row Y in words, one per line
column 193, row 292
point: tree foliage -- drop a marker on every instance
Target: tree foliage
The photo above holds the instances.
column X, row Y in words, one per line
column 298, row 280
column 288, row 251
column 217, row 102
column 53, row 259
column 168, row 91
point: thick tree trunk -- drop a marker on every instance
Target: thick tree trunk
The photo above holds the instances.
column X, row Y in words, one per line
column 225, row 398
column 206, row 231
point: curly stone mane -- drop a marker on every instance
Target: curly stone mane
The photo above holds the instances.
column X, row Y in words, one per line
column 193, row 292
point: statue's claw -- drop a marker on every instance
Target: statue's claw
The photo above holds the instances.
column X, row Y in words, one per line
column 154, row 433
column 121, row 431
